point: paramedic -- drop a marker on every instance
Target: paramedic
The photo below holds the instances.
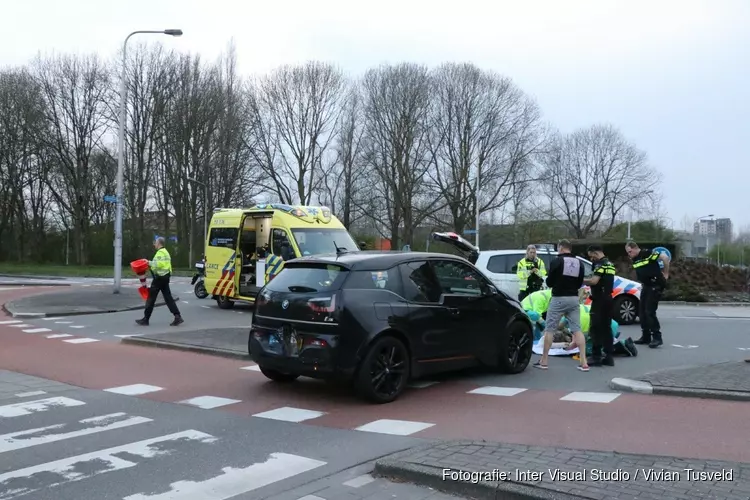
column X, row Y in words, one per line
column 654, row 280
column 565, row 279
column 161, row 270
column 530, row 273
column 601, row 283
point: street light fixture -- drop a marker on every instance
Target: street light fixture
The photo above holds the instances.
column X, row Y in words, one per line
column 121, row 152
column 205, row 208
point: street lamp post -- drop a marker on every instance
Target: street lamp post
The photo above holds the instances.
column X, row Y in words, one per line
column 205, row 208
column 476, row 195
column 121, row 152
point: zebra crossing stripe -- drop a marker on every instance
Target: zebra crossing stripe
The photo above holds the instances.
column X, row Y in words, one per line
column 29, row 407
column 44, row 435
column 235, row 481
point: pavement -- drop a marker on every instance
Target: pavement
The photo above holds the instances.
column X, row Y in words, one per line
column 497, row 470
column 78, row 301
column 228, row 342
column 61, row 442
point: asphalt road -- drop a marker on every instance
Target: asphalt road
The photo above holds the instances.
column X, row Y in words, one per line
column 64, row 443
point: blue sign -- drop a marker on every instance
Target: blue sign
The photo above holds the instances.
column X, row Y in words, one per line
column 470, row 231
column 110, row 199
column 664, row 251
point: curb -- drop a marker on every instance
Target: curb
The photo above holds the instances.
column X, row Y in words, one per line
column 432, row 477
column 705, row 304
column 643, row 387
column 33, row 283
column 8, row 308
column 177, row 346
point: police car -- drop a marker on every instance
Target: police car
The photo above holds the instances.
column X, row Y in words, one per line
column 500, row 266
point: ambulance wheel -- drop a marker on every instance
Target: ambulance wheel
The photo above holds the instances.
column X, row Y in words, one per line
column 224, row 302
column 625, row 309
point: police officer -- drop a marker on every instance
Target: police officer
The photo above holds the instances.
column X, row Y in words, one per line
column 161, row 270
column 530, row 273
column 601, row 284
column 654, row 280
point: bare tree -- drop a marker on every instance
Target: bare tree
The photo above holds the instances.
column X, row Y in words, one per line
column 302, row 103
column 482, row 124
column 396, row 117
column 343, row 187
column 75, row 90
column 596, row 174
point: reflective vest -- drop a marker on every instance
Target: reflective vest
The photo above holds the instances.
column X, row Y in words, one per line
column 162, row 263
column 274, row 265
column 524, row 271
column 585, row 320
column 537, row 301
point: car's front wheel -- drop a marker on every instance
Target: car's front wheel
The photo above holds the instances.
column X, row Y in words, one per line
column 516, row 348
column 384, row 372
column 278, row 376
column 625, row 309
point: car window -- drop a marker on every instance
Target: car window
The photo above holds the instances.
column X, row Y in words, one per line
column 419, row 282
column 308, row 279
column 373, row 280
column 588, row 269
column 223, row 237
column 280, row 241
column 320, row 240
column 546, row 258
column 458, row 278
column 504, row 264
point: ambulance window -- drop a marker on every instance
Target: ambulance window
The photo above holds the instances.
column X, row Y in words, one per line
column 280, row 241
column 225, row 237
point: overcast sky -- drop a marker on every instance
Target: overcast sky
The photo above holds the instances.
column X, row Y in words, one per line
column 674, row 76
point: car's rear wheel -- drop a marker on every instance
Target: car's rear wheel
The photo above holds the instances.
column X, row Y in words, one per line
column 384, row 371
column 224, row 302
column 516, row 348
column 278, row 376
column 625, row 309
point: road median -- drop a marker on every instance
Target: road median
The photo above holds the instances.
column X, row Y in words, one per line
column 224, row 342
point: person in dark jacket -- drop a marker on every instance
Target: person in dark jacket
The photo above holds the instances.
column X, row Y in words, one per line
column 654, row 280
column 601, row 283
column 565, row 278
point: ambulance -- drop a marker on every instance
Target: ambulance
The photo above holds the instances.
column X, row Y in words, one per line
column 240, row 239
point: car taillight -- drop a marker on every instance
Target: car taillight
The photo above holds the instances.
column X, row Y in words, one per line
column 323, row 304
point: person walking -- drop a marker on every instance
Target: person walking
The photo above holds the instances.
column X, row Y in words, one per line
column 161, row 270
column 601, row 283
column 565, row 278
column 654, row 281
column 530, row 272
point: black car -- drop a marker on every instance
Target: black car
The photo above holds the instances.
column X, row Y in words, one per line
column 383, row 318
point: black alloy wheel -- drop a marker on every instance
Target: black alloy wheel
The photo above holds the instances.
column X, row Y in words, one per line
column 384, row 372
column 515, row 355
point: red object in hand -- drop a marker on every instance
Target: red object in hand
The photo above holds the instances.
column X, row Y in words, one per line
column 140, row 267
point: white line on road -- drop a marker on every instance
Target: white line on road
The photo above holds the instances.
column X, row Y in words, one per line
column 253, row 368
column 497, row 391
column 288, row 414
column 210, row 402
column 37, row 330
column 10, row 322
column 23, row 325
column 591, row 397
column 59, row 335
column 71, row 469
column 206, row 307
column 29, row 407
column 53, row 318
column 135, row 389
column 184, row 301
column 124, row 336
column 395, row 427
column 63, row 322
column 233, row 481
column 82, row 340
column 77, row 326
column 29, row 394
column 42, row 435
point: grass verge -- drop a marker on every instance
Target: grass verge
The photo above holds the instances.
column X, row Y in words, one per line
column 13, row 268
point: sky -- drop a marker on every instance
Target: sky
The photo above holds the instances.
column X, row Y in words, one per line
column 673, row 76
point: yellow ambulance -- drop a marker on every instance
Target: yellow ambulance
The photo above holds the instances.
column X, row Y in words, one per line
column 239, row 239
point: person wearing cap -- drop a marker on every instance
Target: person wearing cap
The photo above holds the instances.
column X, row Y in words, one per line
column 601, row 284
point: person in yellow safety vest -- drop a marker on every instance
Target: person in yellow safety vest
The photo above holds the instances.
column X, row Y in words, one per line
column 530, row 272
column 537, row 301
column 161, row 270
column 274, row 264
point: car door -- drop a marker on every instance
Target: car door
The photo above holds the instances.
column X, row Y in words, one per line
column 431, row 325
column 473, row 308
column 511, row 284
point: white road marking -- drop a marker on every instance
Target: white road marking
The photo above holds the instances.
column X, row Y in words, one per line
column 105, row 331
column 135, row 389
column 233, row 481
column 311, row 497
column 29, row 394
column 422, row 384
column 253, row 368
column 289, row 414
column 55, row 318
column 210, row 402
column 29, row 407
column 497, row 391
column 10, row 322
column 205, row 307
column 21, row 439
column 684, row 346
column 72, row 469
column 591, row 397
column 22, row 325
column 76, row 326
column 82, row 340
column 37, row 330
column 359, row 481
column 395, row 427
column 124, row 336
column 63, row 322
column 184, row 301
column 59, row 335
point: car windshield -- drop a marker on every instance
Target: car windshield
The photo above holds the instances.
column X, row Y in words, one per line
column 317, row 241
column 308, row 279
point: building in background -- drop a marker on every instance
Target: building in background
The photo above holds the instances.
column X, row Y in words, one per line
column 707, row 233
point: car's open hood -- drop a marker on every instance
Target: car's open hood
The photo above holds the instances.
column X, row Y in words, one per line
column 470, row 251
